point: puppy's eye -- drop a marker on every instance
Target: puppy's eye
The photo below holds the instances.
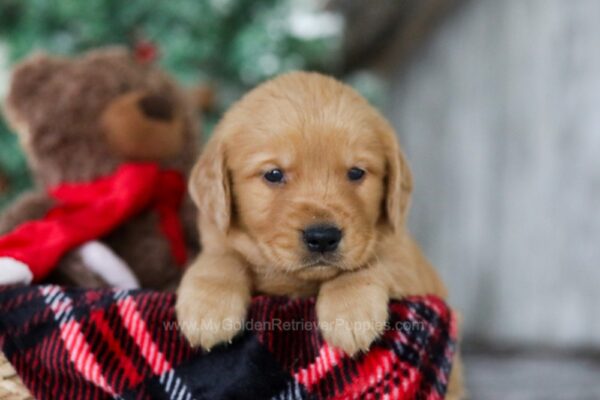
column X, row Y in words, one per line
column 274, row 176
column 355, row 174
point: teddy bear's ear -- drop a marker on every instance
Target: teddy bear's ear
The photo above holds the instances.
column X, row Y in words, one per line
column 27, row 82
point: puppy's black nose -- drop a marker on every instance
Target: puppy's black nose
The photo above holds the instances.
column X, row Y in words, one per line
column 322, row 238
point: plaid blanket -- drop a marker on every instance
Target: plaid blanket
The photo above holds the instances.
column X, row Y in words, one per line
column 96, row 344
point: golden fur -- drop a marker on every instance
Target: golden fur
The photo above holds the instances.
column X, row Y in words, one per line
column 315, row 129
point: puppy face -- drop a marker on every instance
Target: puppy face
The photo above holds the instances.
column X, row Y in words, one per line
column 302, row 176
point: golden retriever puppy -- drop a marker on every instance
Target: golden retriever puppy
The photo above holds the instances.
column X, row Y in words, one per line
column 303, row 190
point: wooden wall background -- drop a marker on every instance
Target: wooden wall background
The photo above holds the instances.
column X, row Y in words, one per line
column 499, row 113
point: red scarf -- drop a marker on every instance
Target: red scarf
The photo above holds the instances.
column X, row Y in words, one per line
column 89, row 211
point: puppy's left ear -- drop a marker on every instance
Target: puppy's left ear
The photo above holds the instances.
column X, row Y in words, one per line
column 209, row 188
column 399, row 186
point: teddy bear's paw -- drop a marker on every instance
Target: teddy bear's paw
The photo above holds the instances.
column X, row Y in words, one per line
column 13, row 271
column 352, row 321
column 104, row 262
column 207, row 318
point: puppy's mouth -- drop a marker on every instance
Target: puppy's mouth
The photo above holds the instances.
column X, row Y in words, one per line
column 319, row 269
column 321, row 262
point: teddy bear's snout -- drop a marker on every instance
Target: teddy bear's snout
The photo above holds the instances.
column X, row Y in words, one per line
column 157, row 107
column 142, row 125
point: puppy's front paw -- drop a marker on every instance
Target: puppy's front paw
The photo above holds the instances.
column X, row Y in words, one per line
column 209, row 315
column 351, row 318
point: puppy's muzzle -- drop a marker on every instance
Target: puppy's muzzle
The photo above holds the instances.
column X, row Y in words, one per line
column 323, row 238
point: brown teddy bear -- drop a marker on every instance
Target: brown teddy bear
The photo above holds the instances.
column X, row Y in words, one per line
column 110, row 140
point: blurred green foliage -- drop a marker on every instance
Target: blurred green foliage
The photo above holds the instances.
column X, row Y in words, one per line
column 12, row 166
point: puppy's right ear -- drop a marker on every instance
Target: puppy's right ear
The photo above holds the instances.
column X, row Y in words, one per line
column 210, row 189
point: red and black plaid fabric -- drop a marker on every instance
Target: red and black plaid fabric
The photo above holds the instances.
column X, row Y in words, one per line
column 96, row 344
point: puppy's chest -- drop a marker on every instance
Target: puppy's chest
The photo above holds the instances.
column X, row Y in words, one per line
column 284, row 285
